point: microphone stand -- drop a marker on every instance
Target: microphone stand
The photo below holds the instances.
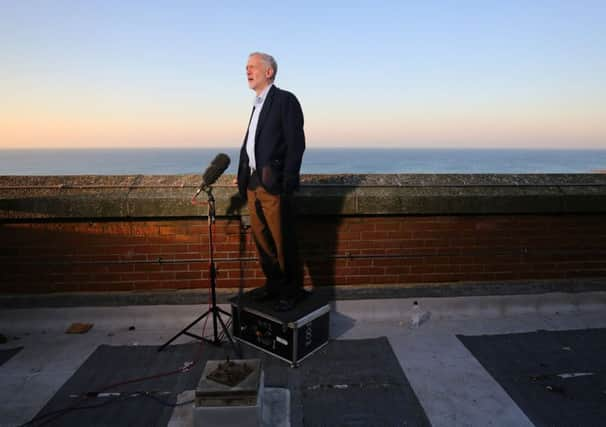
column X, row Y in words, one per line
column 212, row 271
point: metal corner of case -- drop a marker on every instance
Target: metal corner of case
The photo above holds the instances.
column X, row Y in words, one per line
column 295, row 345
column 311, row 316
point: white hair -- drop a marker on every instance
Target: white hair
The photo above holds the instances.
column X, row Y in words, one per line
column 269, row 61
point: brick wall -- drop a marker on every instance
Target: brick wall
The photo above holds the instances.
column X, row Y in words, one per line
column 141, row 255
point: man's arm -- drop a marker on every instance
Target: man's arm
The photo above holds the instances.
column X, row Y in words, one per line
column 292, row 119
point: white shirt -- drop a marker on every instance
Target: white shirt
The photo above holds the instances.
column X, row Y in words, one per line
column 252, row 127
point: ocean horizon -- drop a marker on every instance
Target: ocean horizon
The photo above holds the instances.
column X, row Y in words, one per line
column 169, row 161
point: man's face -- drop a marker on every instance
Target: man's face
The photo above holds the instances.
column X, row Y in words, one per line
column 258, row 74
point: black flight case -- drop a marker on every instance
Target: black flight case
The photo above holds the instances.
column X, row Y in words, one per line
column 291, row 336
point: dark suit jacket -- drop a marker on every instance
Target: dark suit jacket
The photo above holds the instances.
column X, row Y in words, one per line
column 279, row 145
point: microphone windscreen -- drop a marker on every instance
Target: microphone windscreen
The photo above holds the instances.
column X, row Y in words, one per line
column 216, row 168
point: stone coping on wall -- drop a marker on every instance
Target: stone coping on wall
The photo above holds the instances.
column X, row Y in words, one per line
column 90, row 197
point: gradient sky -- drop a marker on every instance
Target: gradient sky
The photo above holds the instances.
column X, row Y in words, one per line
column 481, row 74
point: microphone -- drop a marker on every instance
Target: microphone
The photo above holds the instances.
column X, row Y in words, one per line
column 213, row 172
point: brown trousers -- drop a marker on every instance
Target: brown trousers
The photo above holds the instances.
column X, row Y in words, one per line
column 272, row 226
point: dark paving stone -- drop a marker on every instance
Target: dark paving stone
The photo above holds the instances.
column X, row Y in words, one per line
column 529, row 367
column 356, row 382
column 6, row 354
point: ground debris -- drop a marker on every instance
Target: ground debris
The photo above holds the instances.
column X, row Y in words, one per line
column 540, row 377
column 555, row 389
column 352, row 386
column 79, row 328
column 575, row 374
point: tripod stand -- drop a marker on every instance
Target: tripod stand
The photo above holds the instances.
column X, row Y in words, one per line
column 213, row 310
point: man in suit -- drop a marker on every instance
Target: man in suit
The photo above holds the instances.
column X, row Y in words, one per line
column 268, row 174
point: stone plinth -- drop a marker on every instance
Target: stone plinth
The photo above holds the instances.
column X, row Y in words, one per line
column 222, row 405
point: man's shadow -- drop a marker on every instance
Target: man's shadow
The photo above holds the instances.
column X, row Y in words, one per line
column 322, row 231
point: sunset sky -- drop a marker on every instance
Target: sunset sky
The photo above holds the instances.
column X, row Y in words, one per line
column 480, row 74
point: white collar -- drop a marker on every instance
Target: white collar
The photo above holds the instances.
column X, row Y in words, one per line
column 261, row 98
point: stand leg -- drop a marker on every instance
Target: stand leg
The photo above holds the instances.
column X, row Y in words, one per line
column 214, row 310
column 227, row 334
column 185, row 331
column 216, row 315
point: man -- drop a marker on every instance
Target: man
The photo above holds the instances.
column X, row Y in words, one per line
column 268, row 174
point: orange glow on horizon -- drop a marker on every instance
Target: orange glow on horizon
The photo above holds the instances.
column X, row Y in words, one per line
column 520, row 129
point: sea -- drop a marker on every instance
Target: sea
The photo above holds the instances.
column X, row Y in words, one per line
column 169, row 161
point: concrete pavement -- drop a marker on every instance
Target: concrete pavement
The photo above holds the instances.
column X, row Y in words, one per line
column 452, row 386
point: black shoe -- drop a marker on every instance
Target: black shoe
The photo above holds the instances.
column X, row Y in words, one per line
column 263, row 295
column 284, row 305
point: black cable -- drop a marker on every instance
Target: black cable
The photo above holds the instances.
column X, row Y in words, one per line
column 165, row 403
column 125, row 396
column 60, row 412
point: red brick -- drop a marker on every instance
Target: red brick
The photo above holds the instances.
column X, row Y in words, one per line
column 404, row 235
column 110, row 286
column 358, row 280
column 387, row 262
column 394, row 226
column 374, row 235
column 107, row 277
column 174, row 267
column 397, row 269
column 68, row 287
column 149, row 266
column 182, row 256
column 340, row 271
column 431, row 248
column 347, row 235
column 360, row 227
